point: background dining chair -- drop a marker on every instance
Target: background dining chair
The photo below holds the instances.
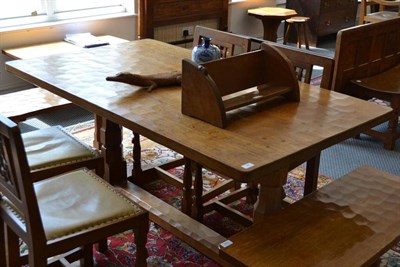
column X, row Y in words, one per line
column 230, row 44
column 50, row 150
column 381, row 14
column 56, row 215
column 305, row 64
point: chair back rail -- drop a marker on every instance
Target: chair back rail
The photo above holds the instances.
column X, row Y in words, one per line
column 304, row 62
column 230, row 44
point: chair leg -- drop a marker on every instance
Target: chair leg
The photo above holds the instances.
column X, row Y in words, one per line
column 142, row 254
column 363, row 11
column 102, row 245
column 87, row 256
column 12, row 244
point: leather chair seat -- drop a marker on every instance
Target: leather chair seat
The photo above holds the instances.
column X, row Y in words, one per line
column 49, row 147
column 76, row 201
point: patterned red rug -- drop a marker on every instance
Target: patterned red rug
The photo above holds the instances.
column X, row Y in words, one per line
column 163, row 247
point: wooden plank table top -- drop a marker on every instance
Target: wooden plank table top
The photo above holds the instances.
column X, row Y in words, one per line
column 261, row 142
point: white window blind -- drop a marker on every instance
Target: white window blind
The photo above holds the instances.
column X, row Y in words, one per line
column 22, row 12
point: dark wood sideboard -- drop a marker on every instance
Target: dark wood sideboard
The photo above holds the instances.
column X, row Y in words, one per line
column 157, row 13
column 327, row 16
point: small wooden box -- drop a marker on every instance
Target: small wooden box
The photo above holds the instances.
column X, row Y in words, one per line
column 211, row 89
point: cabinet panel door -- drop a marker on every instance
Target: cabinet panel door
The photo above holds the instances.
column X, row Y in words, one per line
column 170, row 10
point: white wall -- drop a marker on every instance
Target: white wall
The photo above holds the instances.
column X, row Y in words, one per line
column 124, row 27
column 241, row 23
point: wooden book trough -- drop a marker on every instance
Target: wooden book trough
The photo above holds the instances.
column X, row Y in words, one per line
column 211, row 89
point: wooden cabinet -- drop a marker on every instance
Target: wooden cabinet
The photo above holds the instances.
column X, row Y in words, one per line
column 157, row 13
column 327, row 16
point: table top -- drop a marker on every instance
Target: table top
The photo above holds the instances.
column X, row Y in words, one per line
column 277, row 12
column 53, row 48
column 258, row 140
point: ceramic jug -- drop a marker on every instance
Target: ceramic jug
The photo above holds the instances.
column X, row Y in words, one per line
column 205, row 51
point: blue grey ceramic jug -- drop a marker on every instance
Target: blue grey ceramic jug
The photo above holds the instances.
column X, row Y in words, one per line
column 205, row 51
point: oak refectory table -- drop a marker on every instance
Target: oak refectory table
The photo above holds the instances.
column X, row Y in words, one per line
column 260, row 143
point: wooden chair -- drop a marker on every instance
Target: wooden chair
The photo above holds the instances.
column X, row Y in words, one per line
column 365, row 7
column 305, row 61
column 371, row 50
column 230, row 44
column 22, row 105
column 382, row 14
column 70, row 153
column 56, row 215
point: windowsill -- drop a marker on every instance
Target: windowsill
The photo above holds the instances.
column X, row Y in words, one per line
column 66, row 21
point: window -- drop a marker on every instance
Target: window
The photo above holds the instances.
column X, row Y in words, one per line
column 24, row 12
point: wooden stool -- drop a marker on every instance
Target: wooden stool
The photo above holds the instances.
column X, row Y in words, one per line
column 300, row 24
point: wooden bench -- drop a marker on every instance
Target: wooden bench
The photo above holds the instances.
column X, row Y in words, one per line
column 20, row 105
column 350, row 222
column 371, row 50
